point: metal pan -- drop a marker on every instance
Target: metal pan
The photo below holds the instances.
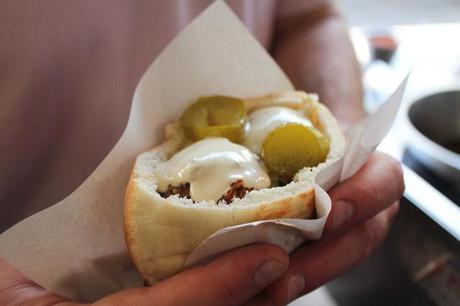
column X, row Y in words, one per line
column 434, row 123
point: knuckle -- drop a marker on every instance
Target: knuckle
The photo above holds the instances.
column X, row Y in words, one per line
column 391, row 184
column 395, row 166
column 397, row 173
column 226, row 295
column 372, row 235
column 367, row 240
column 368, row 192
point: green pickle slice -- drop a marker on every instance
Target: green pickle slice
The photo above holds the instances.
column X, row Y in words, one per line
column 291, row 147
column 215, row 116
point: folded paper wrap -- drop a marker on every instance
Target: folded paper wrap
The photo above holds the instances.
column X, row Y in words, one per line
column 76, row 247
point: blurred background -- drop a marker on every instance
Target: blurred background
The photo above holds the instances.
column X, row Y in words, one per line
column 420, row 262
column 397, row 12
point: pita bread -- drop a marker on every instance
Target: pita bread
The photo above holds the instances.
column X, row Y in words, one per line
column 162, row 232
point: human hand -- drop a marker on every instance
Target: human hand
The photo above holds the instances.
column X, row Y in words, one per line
column 352, row 231
column 230, row 279
column 362, row 209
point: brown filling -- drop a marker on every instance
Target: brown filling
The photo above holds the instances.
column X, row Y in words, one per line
column 236, row 189
column 183, row 190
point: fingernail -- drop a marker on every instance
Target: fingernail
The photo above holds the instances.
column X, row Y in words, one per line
column 343, row 213
column 268, row 272
column 295, row 287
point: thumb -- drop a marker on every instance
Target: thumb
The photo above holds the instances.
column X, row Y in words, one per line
column 230, row 279
column 374, row 188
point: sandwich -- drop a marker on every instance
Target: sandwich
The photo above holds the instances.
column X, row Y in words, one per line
column 226, row 161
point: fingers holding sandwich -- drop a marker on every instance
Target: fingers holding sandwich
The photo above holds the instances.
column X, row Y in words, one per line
column 315, row 264
column 375, row 187
column 230, row 279
column 362, row 210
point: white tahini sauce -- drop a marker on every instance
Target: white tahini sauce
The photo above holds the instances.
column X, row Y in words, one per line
column 262, row 121
column 210, row 166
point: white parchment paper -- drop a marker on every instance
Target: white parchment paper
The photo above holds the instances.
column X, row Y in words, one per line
column 76, row 247
column 362, row 140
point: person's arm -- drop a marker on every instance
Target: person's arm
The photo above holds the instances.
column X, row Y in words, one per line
column 312, row 46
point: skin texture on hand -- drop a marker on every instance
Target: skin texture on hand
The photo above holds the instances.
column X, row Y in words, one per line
column 231, row 279
column 350, row 235
column 263, row 274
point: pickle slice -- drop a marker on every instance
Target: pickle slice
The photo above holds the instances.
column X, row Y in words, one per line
column 218, row 116
column 233, row 133
column 291, row 147
column 323, row 143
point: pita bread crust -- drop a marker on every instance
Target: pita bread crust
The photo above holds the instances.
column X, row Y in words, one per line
column 160, row 233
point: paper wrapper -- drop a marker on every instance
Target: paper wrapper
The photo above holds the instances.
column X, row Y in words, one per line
column 76, row 248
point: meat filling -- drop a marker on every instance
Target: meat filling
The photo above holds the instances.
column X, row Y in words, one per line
column 183, row 191
column 236, row 189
